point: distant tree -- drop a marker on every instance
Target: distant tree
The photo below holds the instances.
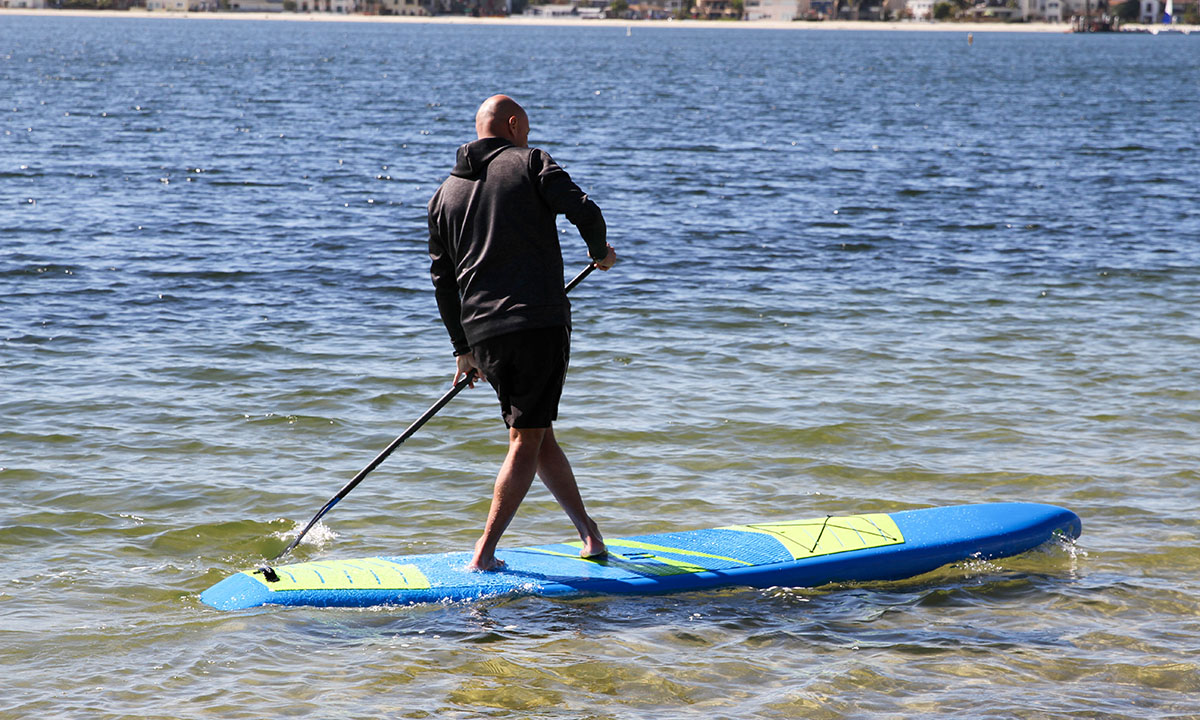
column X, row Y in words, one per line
column 738, row 8
column 1129, row 10
column 944, row 10
column 618, row 8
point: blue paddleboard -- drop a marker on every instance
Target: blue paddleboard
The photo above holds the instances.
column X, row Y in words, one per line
column 800, row 553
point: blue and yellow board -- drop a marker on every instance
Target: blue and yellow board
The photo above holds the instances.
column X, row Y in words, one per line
column 802, row 553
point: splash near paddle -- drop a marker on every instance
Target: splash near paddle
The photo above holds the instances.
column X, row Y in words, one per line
column 801, row 553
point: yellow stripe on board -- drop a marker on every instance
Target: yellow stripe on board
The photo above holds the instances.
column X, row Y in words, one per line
column 835, row 534
column 800, row 538
column 642, row 563
column 368, row 574
column 634, row 544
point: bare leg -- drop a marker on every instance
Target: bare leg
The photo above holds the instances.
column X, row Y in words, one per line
column 555, row 471
column 512, row 483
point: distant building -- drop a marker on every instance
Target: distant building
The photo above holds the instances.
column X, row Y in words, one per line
column 404, row 7
column 777, row 10
column 653, row 10
column 214, row 5
column 1072, row 9
column 1043, row 10
column 1052, row 11
column 563, row 11
column 337, row 7
column 920, row 9
column 23, row 4
column 1064, row 10
column 992, row 10
column 714, row 9
column 252, row 5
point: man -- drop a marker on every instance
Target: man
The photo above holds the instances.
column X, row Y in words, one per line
column 497, row 272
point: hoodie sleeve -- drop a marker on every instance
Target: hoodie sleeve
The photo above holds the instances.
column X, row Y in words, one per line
column 445, row 283
column 564, row 197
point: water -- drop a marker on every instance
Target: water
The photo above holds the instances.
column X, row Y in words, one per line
column 861, row 272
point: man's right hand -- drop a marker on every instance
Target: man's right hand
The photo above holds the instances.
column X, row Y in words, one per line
column 466, row 364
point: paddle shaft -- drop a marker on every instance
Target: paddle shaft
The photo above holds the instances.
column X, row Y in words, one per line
column 412, row 429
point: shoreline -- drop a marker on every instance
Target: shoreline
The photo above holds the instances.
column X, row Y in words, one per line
column 521, row 20
column 533, row 21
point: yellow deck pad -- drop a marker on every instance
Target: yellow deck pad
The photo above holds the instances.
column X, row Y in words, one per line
column 364, row 574
column 833, row 534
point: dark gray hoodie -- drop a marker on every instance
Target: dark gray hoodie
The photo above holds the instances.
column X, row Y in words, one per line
column 497, row 265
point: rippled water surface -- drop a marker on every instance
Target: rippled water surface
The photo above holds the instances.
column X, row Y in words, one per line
column 861, row 272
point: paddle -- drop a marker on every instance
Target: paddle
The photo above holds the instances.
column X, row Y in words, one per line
column 433, row 410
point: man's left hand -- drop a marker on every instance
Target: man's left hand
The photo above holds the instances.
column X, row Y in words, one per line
column 466, row 364
column 609, row 260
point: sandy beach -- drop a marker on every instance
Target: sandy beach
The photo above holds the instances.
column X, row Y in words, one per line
column 559, row 22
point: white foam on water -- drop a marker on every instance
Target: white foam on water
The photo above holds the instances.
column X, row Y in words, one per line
column 319, row 536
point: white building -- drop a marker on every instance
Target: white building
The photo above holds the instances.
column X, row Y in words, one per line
column 1053, row 11
column 580, row 9
column 920, row 9
column 23, row 4
column 1045, row 10
column 777, row 10
column 563, row 11
column 214, row 5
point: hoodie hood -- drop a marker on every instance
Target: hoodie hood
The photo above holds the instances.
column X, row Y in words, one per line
column 475, row 156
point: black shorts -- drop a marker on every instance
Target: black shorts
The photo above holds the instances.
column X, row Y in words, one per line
column 527, row 369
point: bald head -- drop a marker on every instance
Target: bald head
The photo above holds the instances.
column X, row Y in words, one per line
column 500, row 116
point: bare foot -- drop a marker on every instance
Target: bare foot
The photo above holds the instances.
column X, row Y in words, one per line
column 593, row 550
column 478, row 564
column 593, row 544
column 484, row 559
